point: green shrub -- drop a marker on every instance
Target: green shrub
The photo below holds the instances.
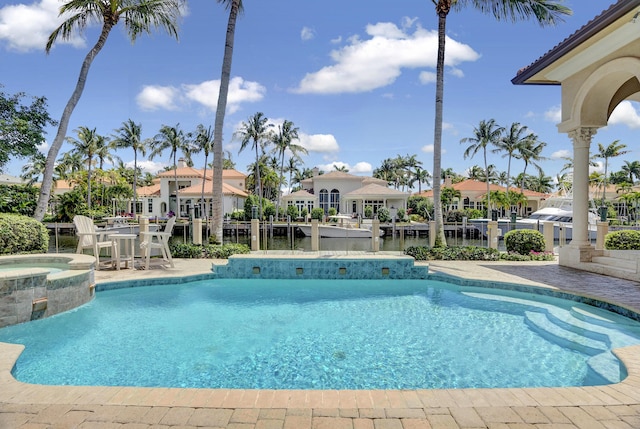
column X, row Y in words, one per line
column 185, row 250
column 622, row 240
column 454, row 253
column 216, row 251
column 317, row 213
column 533, row 256
column 22, row 234
column 293, row 212
column 368, row 212
column 384, row 215
column 237, row 215
column 401, row 214
column 524, row 241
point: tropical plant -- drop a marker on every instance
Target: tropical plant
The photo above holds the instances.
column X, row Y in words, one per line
column 255, row 131
column 514, row 137
column 22, row 126
column 234, row 7
column 283, row 141
column 174, row 139
column 612, row 150
column 546, row 12
column 139, row 17
column 130, row 136
column 204, row 142
column 632, row 169
column 524, row 241
column 530, row 152
column 86, row 145
column 485, row 134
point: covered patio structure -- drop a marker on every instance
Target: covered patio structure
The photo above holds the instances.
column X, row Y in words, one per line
column 597, row 67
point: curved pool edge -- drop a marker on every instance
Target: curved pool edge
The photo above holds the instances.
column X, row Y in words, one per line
column 568, row 406
column 624, row 393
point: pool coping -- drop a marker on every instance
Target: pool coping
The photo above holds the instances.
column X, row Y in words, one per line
column 492, row 404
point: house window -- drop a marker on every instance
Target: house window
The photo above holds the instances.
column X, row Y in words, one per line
column 150, row 205
column 467, row 204
column 335, row 200
column 138, row 206
column 374, row 204
column 324, row 200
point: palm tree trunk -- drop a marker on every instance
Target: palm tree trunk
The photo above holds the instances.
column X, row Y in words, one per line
column 175, row 179
column 219, row 121
column 258, row 184
column 442, row 10
column 135, row 181
column 47, row 179
column 204, row 179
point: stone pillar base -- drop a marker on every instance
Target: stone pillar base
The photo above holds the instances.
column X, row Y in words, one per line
column 575, row 256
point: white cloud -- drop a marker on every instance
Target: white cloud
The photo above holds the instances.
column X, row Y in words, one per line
column 320, row 143
column 148, row 166
column 158, row 97
column 554, row 114
column 364, row 65
column 560, row 154
column 358, row 168
column 427, row 77
column 428, row 148
column 154, row 97
column 307, row 33
column 626, row 113
column 25, row 28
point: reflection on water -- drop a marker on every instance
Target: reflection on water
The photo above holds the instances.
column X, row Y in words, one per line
column 67, row 243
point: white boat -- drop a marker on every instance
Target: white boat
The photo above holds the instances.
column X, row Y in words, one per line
column 558, row 210
column 344, row 229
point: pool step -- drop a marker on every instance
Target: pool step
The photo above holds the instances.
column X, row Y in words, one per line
column 601, row 317
column 546, row 328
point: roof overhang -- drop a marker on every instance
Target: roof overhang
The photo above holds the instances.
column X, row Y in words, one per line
column 611, row 30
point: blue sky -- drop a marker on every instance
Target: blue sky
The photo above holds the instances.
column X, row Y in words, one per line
column 356, row 78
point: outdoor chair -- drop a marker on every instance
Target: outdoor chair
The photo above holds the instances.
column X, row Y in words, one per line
column 158, row 240
column 90, row 237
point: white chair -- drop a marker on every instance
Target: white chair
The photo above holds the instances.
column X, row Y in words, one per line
column 158, row 240
column 90, row 237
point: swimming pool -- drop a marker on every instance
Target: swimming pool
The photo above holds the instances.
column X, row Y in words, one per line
column 313, row 334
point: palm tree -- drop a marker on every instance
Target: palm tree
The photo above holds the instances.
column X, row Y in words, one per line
column 487, row 133
column 86, row 145
column 510, row 143
column 234, row 7
column 32, row 171
column 255, row 131
column 139, row 17
column 422, row 176
column 204, row 141
column 292, row 168
column 632, row 169
column 530, row 153
column 283, row 141
column 544, row 11
column 130, row 136
column 613, row 150
column 172, row 138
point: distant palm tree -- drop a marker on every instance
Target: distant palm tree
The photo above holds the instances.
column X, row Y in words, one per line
column 486, row 134
column 139, row 17
column 541, row 183
column 514, row 137
column 613, row 150
column 632, row 169
column 86, row 145
column 32, row 171
column 422, row 176
column 204, row 142
column 546, row 12
column 130, row 136
column 255, row 131
column 234, row 7
column 530, row 153
column 283, row 141
column 476, row 173
column 176, row 140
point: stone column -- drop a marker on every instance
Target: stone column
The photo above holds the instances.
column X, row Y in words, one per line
column 315, row 235
column 603, row 230
column 581, row 142
column 375, row 237
column 255, row 234
column 197, row 231
column 492, row 234
column 548, row 232
column 432, row 233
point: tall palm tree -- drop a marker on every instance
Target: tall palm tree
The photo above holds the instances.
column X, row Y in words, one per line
column 292, row 168
column 514, row 137
column 86, row 145
column 255, row 131
column 485, row 134
column 234, row 7
column 530, row 152
column 32, row 170
column 632, row 169
column 613, row 150
column 283, row 141
column 139, row 16
column 176, row 140
column 204, row 141
column 130, row 136
column 546, row 12
column 422, row 176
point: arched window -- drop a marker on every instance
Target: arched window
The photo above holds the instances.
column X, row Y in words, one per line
column 324, row 200
column 335, row 200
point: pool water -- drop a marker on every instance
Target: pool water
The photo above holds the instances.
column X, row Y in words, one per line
column 318, row 334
